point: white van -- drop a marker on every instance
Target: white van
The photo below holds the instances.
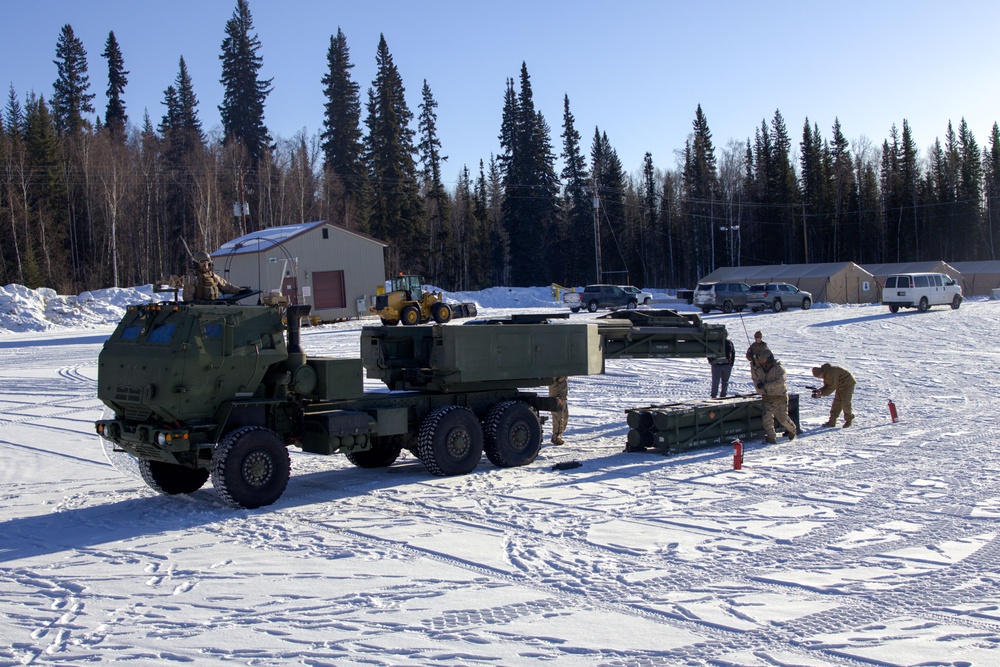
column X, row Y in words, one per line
column 920, row 291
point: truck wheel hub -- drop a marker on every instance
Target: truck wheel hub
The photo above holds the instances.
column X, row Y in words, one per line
column 258, row 469
column 458, row 442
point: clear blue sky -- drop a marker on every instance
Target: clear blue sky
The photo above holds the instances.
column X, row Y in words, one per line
column 636, row 69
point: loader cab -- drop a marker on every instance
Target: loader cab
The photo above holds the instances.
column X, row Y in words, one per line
column 408, row 284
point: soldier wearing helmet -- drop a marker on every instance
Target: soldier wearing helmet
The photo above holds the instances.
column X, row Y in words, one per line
column 202, row 283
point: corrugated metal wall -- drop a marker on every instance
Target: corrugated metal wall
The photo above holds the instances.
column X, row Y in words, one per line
column 361, row 259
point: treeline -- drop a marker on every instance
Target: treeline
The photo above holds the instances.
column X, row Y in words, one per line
column 92, row 203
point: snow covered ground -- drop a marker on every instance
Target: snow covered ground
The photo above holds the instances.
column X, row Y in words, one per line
column 874, row 545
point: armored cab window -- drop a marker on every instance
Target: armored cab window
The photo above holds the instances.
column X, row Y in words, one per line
column 131, row 332
column 213, row 331
column 162, row 334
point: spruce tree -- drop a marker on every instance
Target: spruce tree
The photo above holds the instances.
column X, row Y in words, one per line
column 183, row 143
column 530, row 202
column 115, row 118
column 435, row 196
column 46, row 237
column 396, row 212
column 971, row 233
column 70, row 99
column 991, row 175
column 343, row 163
column 609, row 181
column 244, row 93
column 579, row 244
column 701, row 182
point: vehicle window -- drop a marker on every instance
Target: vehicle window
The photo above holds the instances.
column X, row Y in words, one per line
column 131, row 332
column 162, row 334
column 890, row 282
column 920, row 281
column 937, row 281
column 703, row 287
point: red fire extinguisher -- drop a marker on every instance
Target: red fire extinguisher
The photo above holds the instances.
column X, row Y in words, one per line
column 737, row 455
column 892, row 411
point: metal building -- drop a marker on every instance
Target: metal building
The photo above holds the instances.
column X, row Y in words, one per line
column 318, row 263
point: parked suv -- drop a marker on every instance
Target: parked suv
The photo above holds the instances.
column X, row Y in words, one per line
column 727, row 297
column 920, row 291
column 605, row 296
column 777, row 297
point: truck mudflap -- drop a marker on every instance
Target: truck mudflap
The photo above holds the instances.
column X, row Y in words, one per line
column 677, row 427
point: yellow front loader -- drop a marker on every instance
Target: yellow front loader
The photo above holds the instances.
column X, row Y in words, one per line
column 402, row 299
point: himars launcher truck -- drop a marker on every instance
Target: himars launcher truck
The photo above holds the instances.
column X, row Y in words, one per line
column 221, row 390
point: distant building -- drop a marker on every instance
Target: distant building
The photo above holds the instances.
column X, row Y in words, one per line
column 979, row 278
column 321, row 264
column 835, row 282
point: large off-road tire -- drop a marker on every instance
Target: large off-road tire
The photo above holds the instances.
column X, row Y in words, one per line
column 776, row 305
column 727, row 306
column 409, row 316
column 374, row 458
column 441, row 312
column 923, row 305
column 513, row 434
column 171, row 479
column 592, row 306
column 450, row 441
column 893, row 309
column 956, row 302
column 250, row 467
column 388, row 321
column 806, row 303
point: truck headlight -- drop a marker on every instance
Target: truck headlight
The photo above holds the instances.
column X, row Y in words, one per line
column 161, row 438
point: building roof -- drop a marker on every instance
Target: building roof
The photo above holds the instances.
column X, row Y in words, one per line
column 987, row 266
column 265, row 239
column 934, row 266
column 776, row 272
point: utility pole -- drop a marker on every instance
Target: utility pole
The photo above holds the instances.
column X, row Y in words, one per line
column 597, row 235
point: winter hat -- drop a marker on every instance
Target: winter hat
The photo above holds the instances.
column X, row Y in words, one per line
column 817, row 371
column 758, row 334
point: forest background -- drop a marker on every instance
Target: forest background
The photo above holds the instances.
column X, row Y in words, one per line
column 92, row 198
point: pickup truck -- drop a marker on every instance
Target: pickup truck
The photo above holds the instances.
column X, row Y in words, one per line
column 600, row 296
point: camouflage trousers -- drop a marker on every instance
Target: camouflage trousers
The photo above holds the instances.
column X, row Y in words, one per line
column 776, row 408
column 842, row 401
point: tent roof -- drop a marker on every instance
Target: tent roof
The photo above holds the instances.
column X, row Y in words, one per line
column 966, row 268
column 264, row 239
column 778, row 272
column 938, row 266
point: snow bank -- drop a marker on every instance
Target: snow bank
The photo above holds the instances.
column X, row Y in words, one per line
column 23, row 309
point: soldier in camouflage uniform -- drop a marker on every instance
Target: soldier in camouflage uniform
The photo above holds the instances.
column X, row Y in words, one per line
column 753, row 353
column 771, row 386
column 559, row 389
column 203, row 283
column 840, row 383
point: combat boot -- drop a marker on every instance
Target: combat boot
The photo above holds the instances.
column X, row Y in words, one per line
column 848, row 422
column 831, row 423
column 770, row 440
column 791, row 435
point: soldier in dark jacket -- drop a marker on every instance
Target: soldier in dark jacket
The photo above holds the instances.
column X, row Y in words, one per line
column 771, row 386
column 722, row 368
column 203, row 283
column 840, row 383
